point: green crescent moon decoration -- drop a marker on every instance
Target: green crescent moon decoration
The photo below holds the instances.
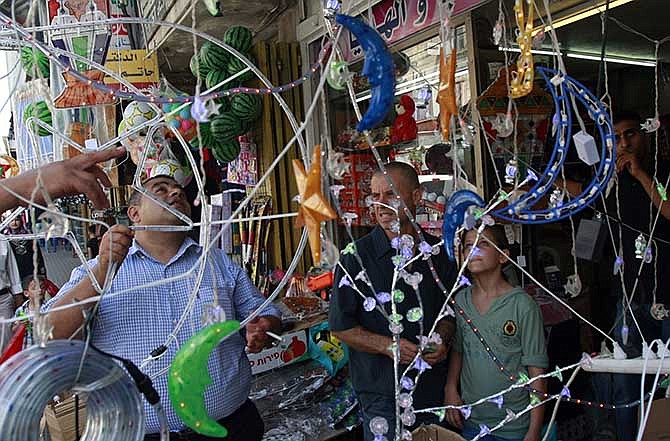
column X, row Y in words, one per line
column 189, row 378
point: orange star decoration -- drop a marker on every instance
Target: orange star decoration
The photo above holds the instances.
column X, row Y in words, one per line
column 314, row 208
column 446, row 94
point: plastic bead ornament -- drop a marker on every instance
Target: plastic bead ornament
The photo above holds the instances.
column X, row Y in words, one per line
column 511, row 171
column 405, row 400
column 369, row 304
column 338, row 75
column 640, row 246
column 659, row 312
column 414, row 314
column 379, row 427
column 651, row 125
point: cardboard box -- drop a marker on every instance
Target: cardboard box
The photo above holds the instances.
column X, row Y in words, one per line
column 435, row 433
column 60, row 419
column 658, row 424
column 292, row 348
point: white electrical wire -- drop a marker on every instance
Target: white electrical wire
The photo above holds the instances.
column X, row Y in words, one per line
column 31, row 378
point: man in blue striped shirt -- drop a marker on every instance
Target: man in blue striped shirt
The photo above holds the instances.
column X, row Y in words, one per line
column 136, row 322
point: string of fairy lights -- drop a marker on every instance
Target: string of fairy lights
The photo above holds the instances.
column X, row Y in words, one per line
column 404, row 255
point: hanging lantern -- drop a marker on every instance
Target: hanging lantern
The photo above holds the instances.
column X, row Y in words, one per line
column 90, row 41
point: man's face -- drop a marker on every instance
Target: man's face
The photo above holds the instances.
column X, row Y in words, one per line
column 15, row 223
column 35, row 291
column 150, row 213
column 630, row 138
column 381, row 192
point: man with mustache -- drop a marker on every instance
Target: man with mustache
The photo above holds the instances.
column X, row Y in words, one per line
column 136, row 323
column 366, row 332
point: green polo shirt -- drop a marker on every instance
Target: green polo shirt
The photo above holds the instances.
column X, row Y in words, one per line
column 514, row 330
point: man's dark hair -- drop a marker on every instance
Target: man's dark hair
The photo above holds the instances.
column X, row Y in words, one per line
column 407, row 172
column 135, row 198
column 627, row 115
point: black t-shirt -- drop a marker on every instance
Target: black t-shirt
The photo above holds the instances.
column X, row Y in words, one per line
column 637, row 214
column 374, row 372
column 23, row 252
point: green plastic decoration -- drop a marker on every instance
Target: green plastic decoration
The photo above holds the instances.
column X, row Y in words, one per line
column 188, row 378
column 338, row 75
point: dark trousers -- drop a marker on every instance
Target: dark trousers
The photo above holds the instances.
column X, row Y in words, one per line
column 245, row 424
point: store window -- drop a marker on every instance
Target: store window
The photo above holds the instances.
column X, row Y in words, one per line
column 443, row 167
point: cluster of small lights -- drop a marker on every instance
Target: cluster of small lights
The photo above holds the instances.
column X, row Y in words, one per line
column 99, row 85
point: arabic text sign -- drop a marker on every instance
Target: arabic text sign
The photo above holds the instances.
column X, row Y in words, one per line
column 132, row 65
column 397, row 19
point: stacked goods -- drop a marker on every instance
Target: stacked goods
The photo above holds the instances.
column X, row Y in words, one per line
column 214, row 65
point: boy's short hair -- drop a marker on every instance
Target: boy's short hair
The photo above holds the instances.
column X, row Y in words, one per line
column 25, row 283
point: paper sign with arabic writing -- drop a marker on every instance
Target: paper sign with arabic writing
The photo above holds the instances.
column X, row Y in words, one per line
column 134, row 66
column 397, row 19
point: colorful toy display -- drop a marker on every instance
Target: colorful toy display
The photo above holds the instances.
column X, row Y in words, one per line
column 187, row 134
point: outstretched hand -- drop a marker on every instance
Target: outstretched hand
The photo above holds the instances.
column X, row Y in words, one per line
column 81, row 175
column 73, row 176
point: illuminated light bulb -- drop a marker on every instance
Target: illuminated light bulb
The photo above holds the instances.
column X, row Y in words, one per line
column 369, row 304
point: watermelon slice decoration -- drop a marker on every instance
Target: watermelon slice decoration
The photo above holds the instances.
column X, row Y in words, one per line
column 226, row 127
column 34, row 62
column 199, row 70
column 215, row 57
column 238, row 37
column 226, row 151
column 40, row 110
column 246, row 107
column 236, row 65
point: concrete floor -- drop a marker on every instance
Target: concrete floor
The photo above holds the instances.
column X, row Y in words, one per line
column 60, row 264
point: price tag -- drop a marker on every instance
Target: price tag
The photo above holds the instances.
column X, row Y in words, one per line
column 91, row 144
column 521, row 260
column 509, row 232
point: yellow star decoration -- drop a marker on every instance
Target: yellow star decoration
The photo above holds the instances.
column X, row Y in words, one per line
column 314, row 208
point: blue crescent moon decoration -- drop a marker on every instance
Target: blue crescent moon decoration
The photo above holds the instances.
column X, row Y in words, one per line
column 378, row 68
column 454, row 214
column 563, row 88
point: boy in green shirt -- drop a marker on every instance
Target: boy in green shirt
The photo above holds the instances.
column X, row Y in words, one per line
column 511, row 323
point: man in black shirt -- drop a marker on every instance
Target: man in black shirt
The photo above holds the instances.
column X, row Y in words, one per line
column 366, row 332
column 643, row 258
